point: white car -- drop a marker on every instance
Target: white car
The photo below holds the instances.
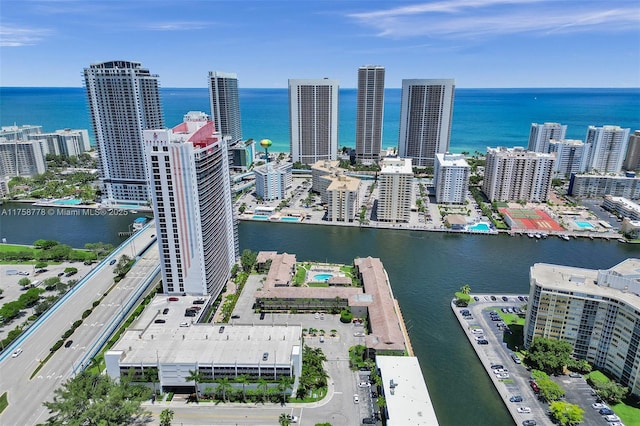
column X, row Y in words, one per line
column 524, row 410
column 16, row 353
column 477, row 331
column 356, row 398
column 612, row 418
column 598, row 405
column 502, row 375
column 292, row 419
column 480, row 337
column 500, row 370
column 184, row 324
column 364, row 384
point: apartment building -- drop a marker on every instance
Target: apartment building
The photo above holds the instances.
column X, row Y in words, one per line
column 608, row 148
column 395, row 190
column 272, row 180
column 596, row 311
column 598, row 185
column 369, row 113
column 343, row 198
column 540, row 135
column 451, row 178
column 515, row 174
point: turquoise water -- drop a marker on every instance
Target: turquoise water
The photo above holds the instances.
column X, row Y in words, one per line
column 70, row 202
column 584, row 225
column 481, row 117
column 479, row 227
column 322, row 277
column 290, row 219
column 260, row 217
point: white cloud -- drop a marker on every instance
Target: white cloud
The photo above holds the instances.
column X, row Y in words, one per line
column 465, row 18
column 177, row 26
column 12, row 36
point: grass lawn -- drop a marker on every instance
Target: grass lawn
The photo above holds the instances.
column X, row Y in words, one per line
column 629, row 414
column 3, row 402
column 318, row 284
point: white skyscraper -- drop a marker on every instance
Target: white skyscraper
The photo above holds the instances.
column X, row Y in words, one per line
column 608, row 148
column 370, row 113
column 515, row 174
column 65, row 142
column 313, row 120
column 541, row 134
column 191, row 190
column 22, row 157
column 395, row 184
column 225, row 104
column 451, row 178
column 632, row 158
column 571, row 157
column 124, row 100
column 425, row 119
column 272, row 180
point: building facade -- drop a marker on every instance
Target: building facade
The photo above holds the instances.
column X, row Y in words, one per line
column 597, row 185
column 632, row 156
column 395, row 190
column 541, row 134
column 451, row 178
column 272, row 180
column 191, row 190
column 608, row 148
column 596, row 311
column 22, row 157
column 369, row 113
column 515, row 174
column 313, row 120
column 321, row 176
column 426, row 113
column 124, row 100
column 242, row 154
column 66, row 142
column 622, row 207
column 342, row 198
column 225, row 105
column 571, row 157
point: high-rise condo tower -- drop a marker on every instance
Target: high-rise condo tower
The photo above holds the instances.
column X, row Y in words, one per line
column 191, row 189
column 124, row 100
column 425, row 120
column 370, row 113
column 313, row 120
column 225, row 104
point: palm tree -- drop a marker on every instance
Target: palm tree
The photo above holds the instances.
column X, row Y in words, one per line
column 263, row 387
column 465, row 289
column 284, row 419
column 283, row 385
column 243, row 378
column 223, row 387
column 166, row 416
column 195, row 377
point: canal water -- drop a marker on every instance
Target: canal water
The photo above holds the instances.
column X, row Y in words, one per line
column 425, row 269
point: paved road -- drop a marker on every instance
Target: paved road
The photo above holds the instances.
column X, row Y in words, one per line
column 26, row 394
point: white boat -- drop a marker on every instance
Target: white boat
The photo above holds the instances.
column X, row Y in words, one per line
column 530, row 235
column 565, row 237
column 622, row 240
column 538, row 236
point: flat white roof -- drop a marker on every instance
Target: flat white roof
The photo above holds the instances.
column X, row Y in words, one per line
column 408, row 401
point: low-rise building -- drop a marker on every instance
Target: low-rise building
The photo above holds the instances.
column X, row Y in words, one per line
column 406, row 396
column 630, row 228
column 321, row 171
column 342, row 198
column 596, row 311
column 599, row 185
column 622, row 207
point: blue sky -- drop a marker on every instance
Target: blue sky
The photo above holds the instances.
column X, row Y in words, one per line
column 480, row 43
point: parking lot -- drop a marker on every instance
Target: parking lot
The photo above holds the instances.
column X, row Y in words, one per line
column 509, row 376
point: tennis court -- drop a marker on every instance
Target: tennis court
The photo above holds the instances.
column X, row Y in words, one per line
column 530, row 219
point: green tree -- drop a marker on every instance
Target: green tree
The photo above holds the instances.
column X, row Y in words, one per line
column 566, row 414
column 195, row 377
column 549, row 355
column 40, row 265
column 263, row 387
column 223, row 387
column 95, row 399
column 166, row 417
column 9, row 311
column 248, row 260
column 284, row 419
column 24, row 282
column 283, row 386
column 243, row 378
column 611, row 391
column 465, row 289
column 44, row 244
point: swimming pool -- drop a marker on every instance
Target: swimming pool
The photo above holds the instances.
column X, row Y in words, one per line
column 260, row 217
column 584, row 225
column 289, row 219
column 322, row 277
column 69, row 202
column 482, row 227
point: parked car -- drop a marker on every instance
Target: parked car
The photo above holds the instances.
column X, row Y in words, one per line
column 262, row 315
column 369, row 421
column 575, row 375
column 483, row 342
column 502, row 375
column 113, row 261
column 165, row 311
column 524, row 410
column 356, row 398
column 529, row 423
column 598, row 405
column 364, row 384
column 605, row 411
column 235, row 316
column 265, row 356
column 68, row 343
column 184, row 324
column 173, row 299
column 612, row 418
column 477, row 331
column 516, row 398
column 515, row 358
column 505, row 298
column 497, row 366
column 160, row 321
column 221, row 329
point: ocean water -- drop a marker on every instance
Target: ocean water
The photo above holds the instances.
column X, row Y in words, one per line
column 481, row 117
